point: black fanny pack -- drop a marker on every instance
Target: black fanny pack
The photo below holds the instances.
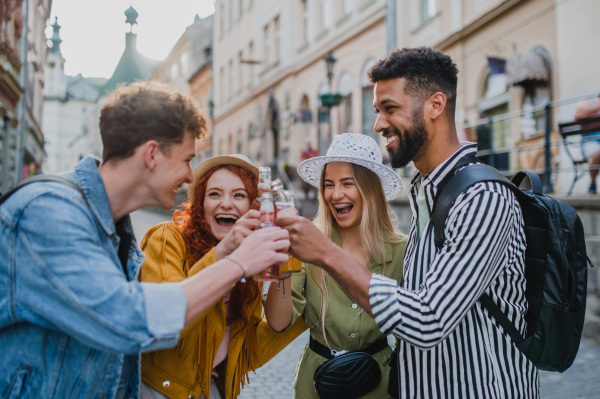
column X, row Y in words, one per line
column 347, row 374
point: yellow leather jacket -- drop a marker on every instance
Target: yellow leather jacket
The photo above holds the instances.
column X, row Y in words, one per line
column 185, row 370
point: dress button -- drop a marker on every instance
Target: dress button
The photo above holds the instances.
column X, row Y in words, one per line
column 191, row 397
column 354, row 306
column 166, row 383
column 352, row 335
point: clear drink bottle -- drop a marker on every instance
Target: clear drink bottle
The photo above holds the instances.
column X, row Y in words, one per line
column 264, row 185
column 285, row 199
column 267, row 219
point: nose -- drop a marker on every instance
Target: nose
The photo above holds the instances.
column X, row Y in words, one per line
column 227, row 202
column 381, row 123
column 337, row 192
column 189, row 178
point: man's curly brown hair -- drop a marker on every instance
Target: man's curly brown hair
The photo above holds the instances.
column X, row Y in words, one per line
column 147, row 110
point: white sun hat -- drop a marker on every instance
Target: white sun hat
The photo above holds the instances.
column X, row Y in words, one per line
column 358, row 149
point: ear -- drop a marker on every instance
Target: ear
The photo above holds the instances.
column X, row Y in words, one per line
column 149, row 152
column 436, row 105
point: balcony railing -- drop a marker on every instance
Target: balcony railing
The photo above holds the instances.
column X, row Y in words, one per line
column 541, row 149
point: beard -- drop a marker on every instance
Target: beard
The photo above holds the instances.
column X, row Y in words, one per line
column 409, row 143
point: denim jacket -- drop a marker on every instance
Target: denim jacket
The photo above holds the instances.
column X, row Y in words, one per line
column 72, row 324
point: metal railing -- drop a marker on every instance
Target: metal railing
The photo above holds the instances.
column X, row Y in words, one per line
column 539, row 145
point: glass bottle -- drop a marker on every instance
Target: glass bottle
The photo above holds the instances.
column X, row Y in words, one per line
column 267, row 219
column 293, row 265
column 264, row 184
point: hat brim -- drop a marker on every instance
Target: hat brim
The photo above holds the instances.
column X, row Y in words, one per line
column 206, row 165
column 310, row 171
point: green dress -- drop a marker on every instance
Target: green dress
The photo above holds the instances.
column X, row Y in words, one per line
column 347, row 325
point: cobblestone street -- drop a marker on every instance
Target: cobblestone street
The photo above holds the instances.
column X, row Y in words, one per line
column 275, row 379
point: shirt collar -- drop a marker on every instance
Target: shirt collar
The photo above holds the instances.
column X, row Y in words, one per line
column 438, row 174
column 88, row 178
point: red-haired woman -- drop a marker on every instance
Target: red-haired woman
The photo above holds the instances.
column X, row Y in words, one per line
column 216, row 351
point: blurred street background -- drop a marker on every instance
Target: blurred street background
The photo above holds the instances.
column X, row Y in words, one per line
column 278, row 79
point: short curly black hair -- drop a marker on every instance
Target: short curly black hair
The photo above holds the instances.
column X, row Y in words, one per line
column 427, row 71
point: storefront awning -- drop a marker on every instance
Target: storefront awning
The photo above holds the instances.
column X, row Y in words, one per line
column 523, row 69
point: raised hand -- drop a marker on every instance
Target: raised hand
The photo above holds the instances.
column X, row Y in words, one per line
column 261, row 249
column 241, row 229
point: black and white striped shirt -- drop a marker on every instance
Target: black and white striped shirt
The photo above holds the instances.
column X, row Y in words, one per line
column 449, row 347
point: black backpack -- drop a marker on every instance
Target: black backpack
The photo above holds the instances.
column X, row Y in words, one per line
column 555, row 265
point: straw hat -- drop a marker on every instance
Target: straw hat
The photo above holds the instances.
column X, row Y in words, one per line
column 209, row 163
column 358, row 149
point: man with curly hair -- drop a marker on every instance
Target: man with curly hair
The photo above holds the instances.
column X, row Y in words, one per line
column 73, row 317
column 448, row 346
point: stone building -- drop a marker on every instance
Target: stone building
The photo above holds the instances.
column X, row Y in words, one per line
column 22, row 61
column 69, row 111
column 514, row 57
column 270, row 71
column 187, row 68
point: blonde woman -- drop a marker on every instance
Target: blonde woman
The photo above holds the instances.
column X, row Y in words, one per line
column 354, row 187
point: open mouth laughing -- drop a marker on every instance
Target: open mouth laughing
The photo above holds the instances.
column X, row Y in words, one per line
column 343, row 209
column 225, row 219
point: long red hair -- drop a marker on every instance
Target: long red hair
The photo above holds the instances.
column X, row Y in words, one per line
column 198, row 239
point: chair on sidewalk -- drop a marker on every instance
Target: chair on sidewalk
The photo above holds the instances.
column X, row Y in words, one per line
column 569, row 131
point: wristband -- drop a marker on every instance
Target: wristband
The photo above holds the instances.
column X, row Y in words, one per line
column 235, row 262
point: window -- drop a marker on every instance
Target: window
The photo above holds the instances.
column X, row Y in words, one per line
column 239, row 142
column 250, row 66
column 174, row 71
column 326, row 14
column 346, row 7
column 277, row 39
column 345, row 89
column 428, row 9
column 222, row 83
column 303, row 22
column 230, row 88
column 240, row 74
column 184, row 64
column 221, row 20
column 368, row 113
column 267, row 44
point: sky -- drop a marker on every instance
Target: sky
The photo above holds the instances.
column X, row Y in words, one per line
column 93, row 31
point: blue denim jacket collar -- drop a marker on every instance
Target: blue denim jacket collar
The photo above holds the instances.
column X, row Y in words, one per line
column 88, row 178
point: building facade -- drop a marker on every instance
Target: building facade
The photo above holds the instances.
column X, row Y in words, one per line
column 188, row 69
column 69, row 111
column 270, row 72
column 514, row 58
column 22, row 62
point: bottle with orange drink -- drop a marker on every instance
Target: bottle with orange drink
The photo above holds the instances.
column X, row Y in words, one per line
column 285, row 199
column 267, row 219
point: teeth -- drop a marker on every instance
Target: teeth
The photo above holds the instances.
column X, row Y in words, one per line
column 223, row 216
column 342, row 206
column 391, row 139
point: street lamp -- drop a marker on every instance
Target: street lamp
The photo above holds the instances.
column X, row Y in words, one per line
column 330, row 99
column 329, row 61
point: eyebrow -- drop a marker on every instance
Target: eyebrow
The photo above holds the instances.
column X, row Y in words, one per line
column 342, row 179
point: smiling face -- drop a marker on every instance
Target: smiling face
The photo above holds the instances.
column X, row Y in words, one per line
column 173, row 170
column 400, row 121
column 225, row 201
column 341, row 194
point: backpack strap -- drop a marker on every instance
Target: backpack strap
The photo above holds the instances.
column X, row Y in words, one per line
column 46, row 178
column 452, row 188
column 455, row 185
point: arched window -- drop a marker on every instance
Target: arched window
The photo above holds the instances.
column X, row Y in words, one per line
column 345, row 107
column 368, row 115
